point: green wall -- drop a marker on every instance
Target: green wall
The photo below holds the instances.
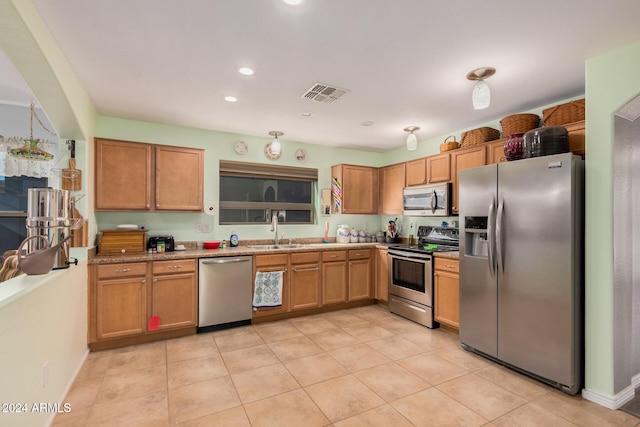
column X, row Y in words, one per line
column 612, row 81
column 219, row 146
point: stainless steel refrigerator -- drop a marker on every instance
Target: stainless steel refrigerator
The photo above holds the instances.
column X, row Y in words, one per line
column 521, row 261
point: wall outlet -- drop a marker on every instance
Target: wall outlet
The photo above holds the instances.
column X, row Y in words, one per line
column 45, row 374
column 202, row 228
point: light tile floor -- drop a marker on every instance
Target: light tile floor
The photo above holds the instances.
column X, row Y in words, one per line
column 358, row 367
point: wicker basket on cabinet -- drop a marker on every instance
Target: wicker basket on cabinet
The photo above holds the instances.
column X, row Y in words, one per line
column 519, row 123
column 449, row 145
column 478, row 136
column 563, row 114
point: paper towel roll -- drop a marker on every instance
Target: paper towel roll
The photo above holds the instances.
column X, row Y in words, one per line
column 210, row 208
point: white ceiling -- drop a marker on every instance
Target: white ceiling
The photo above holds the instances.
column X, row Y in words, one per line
column 404, row 61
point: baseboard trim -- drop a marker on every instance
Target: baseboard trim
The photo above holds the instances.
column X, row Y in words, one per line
column 612, row 402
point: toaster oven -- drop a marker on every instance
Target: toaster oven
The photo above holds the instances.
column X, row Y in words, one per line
column 169, row 244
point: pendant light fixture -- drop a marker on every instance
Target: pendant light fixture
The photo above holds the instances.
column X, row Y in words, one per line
column 481, row 96
column 412, row 140
column 30, row 150
column 275, row 144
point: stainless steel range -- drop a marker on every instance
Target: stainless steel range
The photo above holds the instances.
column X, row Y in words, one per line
column 411, row 273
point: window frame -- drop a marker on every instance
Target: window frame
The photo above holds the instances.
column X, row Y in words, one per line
column 268, row 172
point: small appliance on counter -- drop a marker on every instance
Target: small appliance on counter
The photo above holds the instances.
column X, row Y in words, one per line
column 169, row 243
column 49, row 215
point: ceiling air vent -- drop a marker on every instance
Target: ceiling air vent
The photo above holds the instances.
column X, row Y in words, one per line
column 321, row 92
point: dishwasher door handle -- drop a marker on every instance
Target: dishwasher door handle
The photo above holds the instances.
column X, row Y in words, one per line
column 225, row 261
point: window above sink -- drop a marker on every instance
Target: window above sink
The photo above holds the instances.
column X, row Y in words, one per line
column 253, row 193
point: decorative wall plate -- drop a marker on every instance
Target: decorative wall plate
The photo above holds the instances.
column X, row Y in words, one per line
column 301, row 155
column 240, row 147
column 269, row 154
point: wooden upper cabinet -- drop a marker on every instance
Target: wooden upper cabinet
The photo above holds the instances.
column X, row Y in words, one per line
column 392, row 181
column 465, row 159
column 576, row 137
column 416, row 172
column 179, row 179
column 133, row 176
column 358, row 189
column 123, row 175
column 495, row 152
column 438, row 168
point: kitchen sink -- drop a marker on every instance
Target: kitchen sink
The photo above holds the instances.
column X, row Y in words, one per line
column 267, row 247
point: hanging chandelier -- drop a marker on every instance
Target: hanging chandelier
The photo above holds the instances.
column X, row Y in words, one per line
column 30, row 150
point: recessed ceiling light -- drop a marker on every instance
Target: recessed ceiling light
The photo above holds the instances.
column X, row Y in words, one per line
column 367, row 123
column 293, row 2
column 230, row 98
column 246, row 71
column 305, row 114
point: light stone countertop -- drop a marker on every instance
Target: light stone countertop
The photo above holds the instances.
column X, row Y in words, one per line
column 191, row 252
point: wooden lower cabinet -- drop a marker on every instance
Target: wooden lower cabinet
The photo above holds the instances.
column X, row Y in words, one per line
column 334, row 277
column 382, row 275
column 273, row 262
column 446, row 284
column 119, row 301
column 174, row 294
column 124, row 296
column 305, row 280
column 360, row 274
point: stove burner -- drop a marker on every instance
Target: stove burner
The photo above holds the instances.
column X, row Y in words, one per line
column 432, row 239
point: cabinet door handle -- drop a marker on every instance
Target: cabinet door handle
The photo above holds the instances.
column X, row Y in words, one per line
column 144, row 280
column 147, row 205
column 358, row 254
column 123, row 270
column 174, row 266
column 450, row 266
column 305, row 269
column 155, row 280
column 157, row 205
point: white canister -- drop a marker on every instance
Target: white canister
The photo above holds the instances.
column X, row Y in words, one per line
column 353, row 237
column 362, row 236
column 343, row 235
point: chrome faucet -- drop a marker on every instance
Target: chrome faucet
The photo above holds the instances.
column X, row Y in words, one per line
column 274, row 227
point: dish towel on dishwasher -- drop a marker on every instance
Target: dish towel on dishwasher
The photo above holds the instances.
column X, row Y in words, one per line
column 268, row 289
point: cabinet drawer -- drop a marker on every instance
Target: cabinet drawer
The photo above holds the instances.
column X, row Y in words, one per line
column 177, row 266
column 334, row 256
column 305, row 257
column 275, row 259
column 114, row 271
column 359, row 254
column 446, row 264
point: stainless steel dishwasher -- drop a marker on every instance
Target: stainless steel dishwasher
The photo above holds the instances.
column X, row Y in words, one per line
column 225, row 292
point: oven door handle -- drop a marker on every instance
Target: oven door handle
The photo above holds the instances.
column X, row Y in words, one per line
column 409, row 257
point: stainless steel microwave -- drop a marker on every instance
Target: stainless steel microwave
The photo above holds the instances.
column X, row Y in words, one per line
column 427, row 200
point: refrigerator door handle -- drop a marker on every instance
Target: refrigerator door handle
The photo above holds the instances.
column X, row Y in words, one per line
column 491, row 237
column 499, row 251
